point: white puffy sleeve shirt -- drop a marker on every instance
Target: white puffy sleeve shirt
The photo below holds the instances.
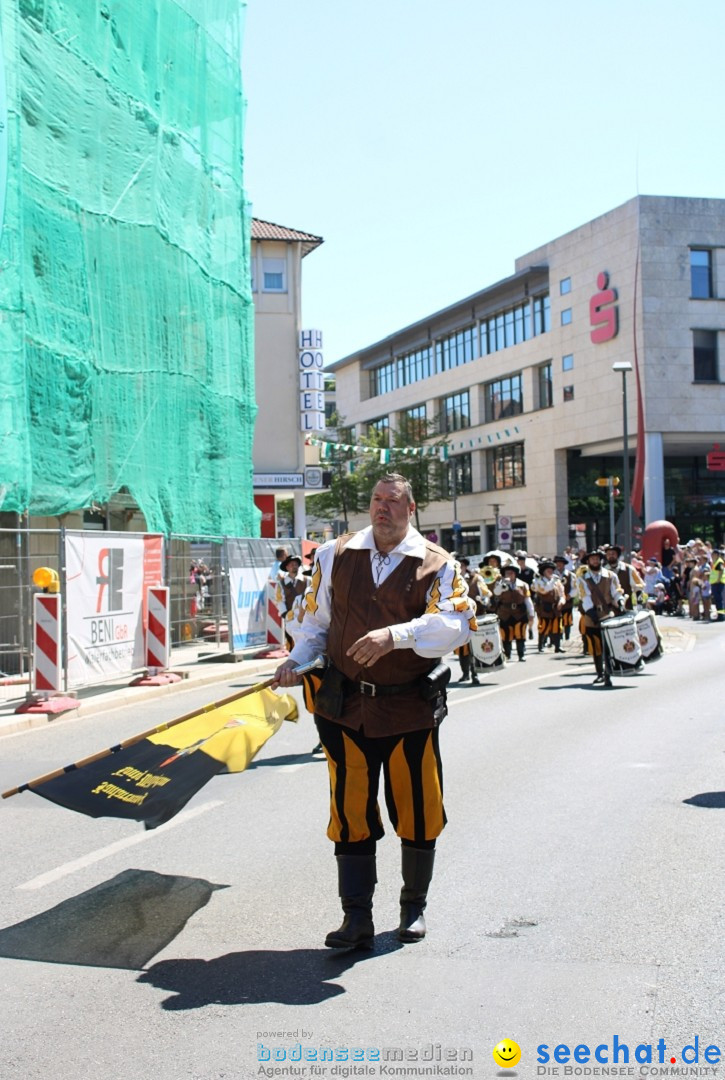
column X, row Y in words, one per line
column 445, row 624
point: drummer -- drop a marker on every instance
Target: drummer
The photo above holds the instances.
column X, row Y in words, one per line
column 480, row 593
column 600, row 595
column 629, row 579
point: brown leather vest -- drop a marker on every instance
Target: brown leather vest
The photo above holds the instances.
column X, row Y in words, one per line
column 511, row 606
column 359, row 606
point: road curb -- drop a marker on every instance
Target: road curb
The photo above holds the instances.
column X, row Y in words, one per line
column 13, row 723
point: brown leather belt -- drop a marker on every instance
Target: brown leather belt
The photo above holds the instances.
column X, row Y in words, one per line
column 368, row 689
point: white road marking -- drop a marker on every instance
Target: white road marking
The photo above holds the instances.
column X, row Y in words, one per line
column 111, row 849
column 499, row 689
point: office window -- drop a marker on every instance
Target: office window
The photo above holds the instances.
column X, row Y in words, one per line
column 414, row 424
column 457, row 470
column 566, row 317
column 506, row 328
column 565, row 286
column 546, row 389
column 273, row 275
column 417, row 365
column 542, row 314
column 402, row 371
column 701, row 273
column 704, row 348
column 456, row 412
column 568, row 393
column 504, row 397
column 456, row 349
column 381, row 426
column 505, row 466
column 567, row 362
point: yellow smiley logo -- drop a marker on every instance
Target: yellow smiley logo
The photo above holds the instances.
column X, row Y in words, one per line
column 507, row 1053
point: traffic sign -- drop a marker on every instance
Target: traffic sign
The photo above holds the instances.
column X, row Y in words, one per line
column 605, row 481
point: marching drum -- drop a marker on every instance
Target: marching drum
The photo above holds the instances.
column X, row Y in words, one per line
column 486, row 641
column 621, row 643
column 650, row 639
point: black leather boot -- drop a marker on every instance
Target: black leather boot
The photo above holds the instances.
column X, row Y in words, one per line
column 602, row 671
column 557, row 643
column 417, row 866
column 356, row 879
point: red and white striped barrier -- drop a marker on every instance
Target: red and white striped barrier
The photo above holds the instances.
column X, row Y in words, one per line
column 45, row 694
column 275, row 631
column 157, row 633
column 158, row 640
column 47, row 660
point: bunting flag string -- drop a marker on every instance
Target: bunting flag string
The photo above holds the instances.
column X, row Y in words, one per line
column 327, row 448
column 384, row 453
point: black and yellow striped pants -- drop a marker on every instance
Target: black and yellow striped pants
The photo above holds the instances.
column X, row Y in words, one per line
column 413, row 778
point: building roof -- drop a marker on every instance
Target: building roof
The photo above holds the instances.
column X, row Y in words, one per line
column 267, row 230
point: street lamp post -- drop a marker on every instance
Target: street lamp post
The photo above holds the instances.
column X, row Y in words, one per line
column 456, row 530
column 624, row 366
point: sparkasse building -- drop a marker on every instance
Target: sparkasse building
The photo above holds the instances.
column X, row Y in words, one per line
column 521, row 379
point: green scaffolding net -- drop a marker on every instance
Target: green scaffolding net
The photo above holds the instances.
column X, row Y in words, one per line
column 126, row 318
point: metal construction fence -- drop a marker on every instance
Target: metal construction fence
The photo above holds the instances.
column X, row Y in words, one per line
column 219, row 594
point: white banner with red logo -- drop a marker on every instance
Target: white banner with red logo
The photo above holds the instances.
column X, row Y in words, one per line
column 107, row 575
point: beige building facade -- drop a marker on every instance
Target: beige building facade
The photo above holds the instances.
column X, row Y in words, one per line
column 520, row 378
column 280, row 456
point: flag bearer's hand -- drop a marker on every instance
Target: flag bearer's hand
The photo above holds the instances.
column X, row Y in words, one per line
column 286, row 675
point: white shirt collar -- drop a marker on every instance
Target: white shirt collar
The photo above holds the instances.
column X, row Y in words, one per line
column 411, row 544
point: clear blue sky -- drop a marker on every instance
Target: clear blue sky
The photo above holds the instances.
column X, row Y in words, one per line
column 431, row 143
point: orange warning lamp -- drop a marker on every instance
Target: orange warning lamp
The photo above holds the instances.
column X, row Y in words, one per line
column 46, row 579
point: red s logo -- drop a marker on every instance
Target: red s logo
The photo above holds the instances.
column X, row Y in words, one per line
column 603, row 319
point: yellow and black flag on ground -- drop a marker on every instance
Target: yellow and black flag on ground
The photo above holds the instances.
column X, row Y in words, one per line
column 152, row 776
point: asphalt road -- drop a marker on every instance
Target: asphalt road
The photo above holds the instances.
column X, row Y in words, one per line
column 577, row 896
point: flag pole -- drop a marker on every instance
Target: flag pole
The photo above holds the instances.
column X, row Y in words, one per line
column 318, row 662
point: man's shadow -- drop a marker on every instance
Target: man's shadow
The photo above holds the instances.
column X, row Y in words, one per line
column 296, row 977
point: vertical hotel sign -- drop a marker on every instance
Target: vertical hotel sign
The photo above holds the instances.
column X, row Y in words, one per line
column 312, row 381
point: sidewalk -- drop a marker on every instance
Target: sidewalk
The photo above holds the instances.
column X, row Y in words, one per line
column 199, row 665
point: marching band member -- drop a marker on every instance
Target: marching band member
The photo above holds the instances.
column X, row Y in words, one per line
column 480, row 593
column 629, row 579
column 566, row 577
column 600, row 595
column 548, row 597
column 512, row 601
column 290, row 586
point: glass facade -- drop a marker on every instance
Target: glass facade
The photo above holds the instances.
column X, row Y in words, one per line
column 459, row 348
column 499, row 331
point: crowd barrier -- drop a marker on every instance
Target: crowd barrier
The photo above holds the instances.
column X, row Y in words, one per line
column 220, row 594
